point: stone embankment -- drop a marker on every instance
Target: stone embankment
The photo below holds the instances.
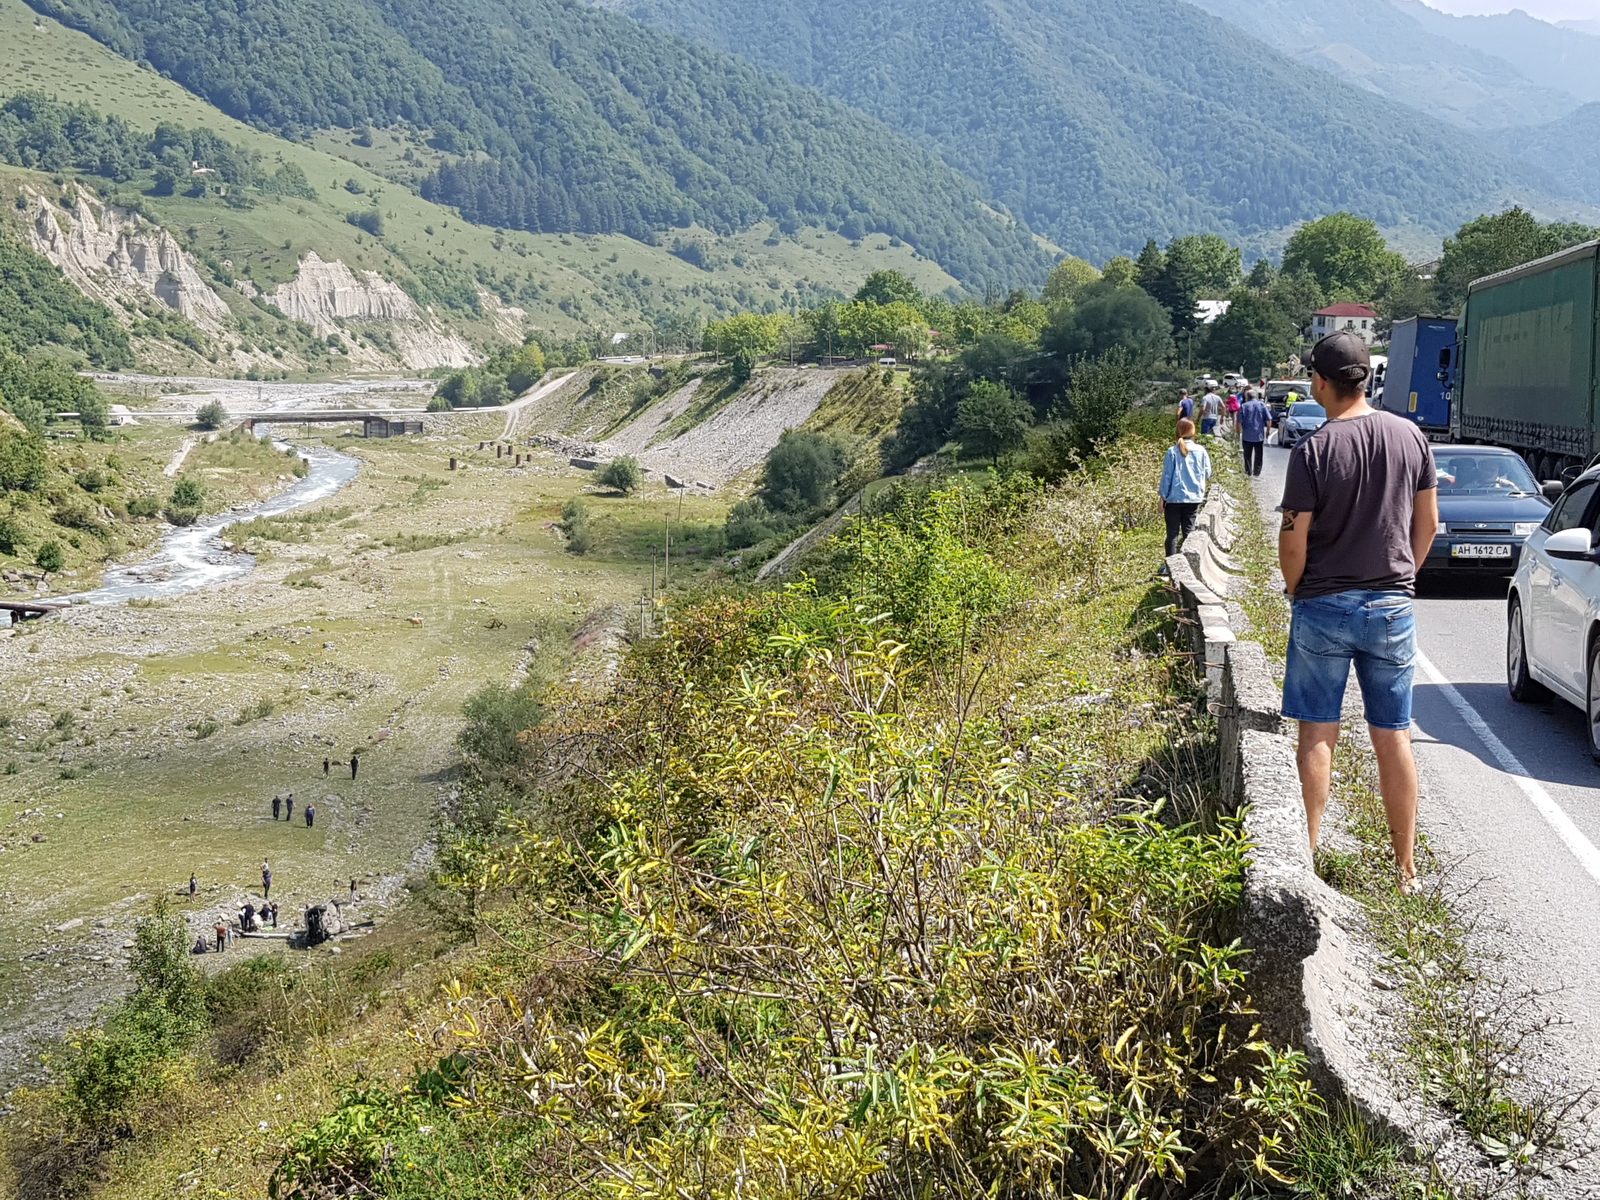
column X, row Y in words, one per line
column 1315, row 982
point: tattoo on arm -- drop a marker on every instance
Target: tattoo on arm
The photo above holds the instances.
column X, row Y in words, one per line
column 1289, row 518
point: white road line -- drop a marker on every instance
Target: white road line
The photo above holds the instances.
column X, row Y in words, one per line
column 1554, row 815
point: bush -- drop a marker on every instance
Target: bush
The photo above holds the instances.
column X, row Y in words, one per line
column 750, row 522
column 22, row 460
column 181, row 517
column 1103, row 393
column 211, row 415
column 144, row 506
column 495, row 718
column 49, row 557
column 188, row 494
column 369, row 219
column 801, row 471
column 12, row 537
column 992, row 420
column 622, row 475
column 438, row 404
column 575, row 525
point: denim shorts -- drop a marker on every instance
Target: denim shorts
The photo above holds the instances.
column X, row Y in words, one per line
column 1375, row 631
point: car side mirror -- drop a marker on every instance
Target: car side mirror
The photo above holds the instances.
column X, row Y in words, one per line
column 1553, row 489
column 1570, row 545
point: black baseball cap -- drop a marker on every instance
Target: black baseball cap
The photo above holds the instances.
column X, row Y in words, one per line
column 1343, row 358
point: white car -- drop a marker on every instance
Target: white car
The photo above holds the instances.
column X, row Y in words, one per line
column 1235, row 383
column 1553, row 639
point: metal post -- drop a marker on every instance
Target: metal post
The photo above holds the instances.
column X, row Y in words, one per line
column 666, row 574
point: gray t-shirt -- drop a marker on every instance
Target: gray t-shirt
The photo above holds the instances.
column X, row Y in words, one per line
column 1211, row 406
column 1359, row 479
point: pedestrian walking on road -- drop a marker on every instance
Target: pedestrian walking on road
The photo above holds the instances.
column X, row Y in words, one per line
column 311, row 815
column 1360, row 509
column 1235, row 403
column 290, row 815
column 1255, row 418
column 266, row 878
column 1184, row 479
column 276, row 805
column 1210, row 413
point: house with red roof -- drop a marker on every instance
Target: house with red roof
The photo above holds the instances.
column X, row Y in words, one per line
column 1359, row 319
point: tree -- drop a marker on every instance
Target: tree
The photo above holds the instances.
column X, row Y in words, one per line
column 888, row 287
column 1149, row 266
column 1195, row 269
column 1297, row 296
column 622, row 475
column 49, row 557
column 1344, row 253
column 755, row 334
column 1262, row 276
column 1253, row 335
column 1498, row 243
column 1103, row 393
column 1070, row 277
column 22, row 460
column 992, row 420
column 11, row 534
column 1120, row 271
column 1107, row 317
column 800, row 471
column 188, row 499
column 526, row 369
column 211, row 415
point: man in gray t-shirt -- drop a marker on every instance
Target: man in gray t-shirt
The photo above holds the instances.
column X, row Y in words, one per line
column 1210, row 412
column 1360, row 510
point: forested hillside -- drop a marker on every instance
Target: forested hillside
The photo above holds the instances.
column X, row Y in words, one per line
column 558, row 117
column 38, row 308
column 1103, row 124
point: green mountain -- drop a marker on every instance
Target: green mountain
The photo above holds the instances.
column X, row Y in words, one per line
column 1103, row 124
column 1569, row 146
column 270, row 271
column 550, row 116
column 1410, row 60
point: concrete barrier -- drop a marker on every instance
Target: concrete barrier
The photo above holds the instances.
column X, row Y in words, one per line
column 1311, row 981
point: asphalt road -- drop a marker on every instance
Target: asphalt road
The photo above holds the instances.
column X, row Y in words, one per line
column 1511, row 805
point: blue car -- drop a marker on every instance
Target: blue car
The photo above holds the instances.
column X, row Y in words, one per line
column 1489, row 505
column 1303, row 418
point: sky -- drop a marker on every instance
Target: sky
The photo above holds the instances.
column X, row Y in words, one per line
column 1550, row 10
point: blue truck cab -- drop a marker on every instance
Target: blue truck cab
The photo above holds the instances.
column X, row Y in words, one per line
column 1421, row 374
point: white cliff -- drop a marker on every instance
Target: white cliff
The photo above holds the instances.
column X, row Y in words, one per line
column 121, row 259
column 331, row 298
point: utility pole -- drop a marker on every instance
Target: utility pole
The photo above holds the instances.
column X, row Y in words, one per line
column 666, row 573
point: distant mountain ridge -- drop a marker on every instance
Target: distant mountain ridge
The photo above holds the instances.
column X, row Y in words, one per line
column 1104, row 124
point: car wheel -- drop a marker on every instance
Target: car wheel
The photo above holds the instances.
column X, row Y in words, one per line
column 1519, row 682
column 1592, row 713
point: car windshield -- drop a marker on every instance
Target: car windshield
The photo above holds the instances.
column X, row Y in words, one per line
column 1308, row 411
column 1463, row 473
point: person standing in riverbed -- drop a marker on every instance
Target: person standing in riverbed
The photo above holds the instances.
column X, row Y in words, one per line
column 276, row 802
column 266, row 879
column 355, row 765
column 194, row 885
column 327, row 764
column 311, row 815
column 290, row 816
column 221, row 931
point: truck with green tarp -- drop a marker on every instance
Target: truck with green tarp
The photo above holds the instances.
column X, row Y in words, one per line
column 1526, row 366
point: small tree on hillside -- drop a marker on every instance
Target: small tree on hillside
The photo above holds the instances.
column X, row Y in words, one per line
column 1103, row 393
column 801, row 471
column 992, row 420
column 211, row 415
column 188, row 498
column 622, row 475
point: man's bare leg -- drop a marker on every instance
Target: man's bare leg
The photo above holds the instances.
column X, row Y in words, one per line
column 1397, row 779
column 1315, row 760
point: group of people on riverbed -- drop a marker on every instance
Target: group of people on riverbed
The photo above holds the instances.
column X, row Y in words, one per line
column 285, row 804
column 1359, row 511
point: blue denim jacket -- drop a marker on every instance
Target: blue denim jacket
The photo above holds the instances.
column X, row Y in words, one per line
column 1184, row 476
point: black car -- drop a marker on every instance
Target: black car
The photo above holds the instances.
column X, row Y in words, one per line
column 1489, row 504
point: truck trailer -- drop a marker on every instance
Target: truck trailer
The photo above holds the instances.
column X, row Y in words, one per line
column 1417, row 383
column 1527, row 364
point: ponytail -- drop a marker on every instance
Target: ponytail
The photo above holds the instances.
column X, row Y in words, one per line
column 1185, row 432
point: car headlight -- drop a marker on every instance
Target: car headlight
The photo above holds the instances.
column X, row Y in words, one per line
column 1525, row 529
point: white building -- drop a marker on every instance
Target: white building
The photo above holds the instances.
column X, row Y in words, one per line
column 1359, row 319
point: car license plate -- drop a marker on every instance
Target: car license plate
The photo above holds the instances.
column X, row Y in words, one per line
column 1480, row 551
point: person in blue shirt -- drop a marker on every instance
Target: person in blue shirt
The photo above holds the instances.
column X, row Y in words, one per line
column 1184, row 479
column 1186, row 407
column 1255, row 418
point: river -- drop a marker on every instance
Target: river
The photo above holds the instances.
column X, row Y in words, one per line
column 195, row 556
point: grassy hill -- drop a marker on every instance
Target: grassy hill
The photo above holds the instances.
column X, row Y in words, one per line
column 560, row 118
column 1105, row 124
column 566, row 283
